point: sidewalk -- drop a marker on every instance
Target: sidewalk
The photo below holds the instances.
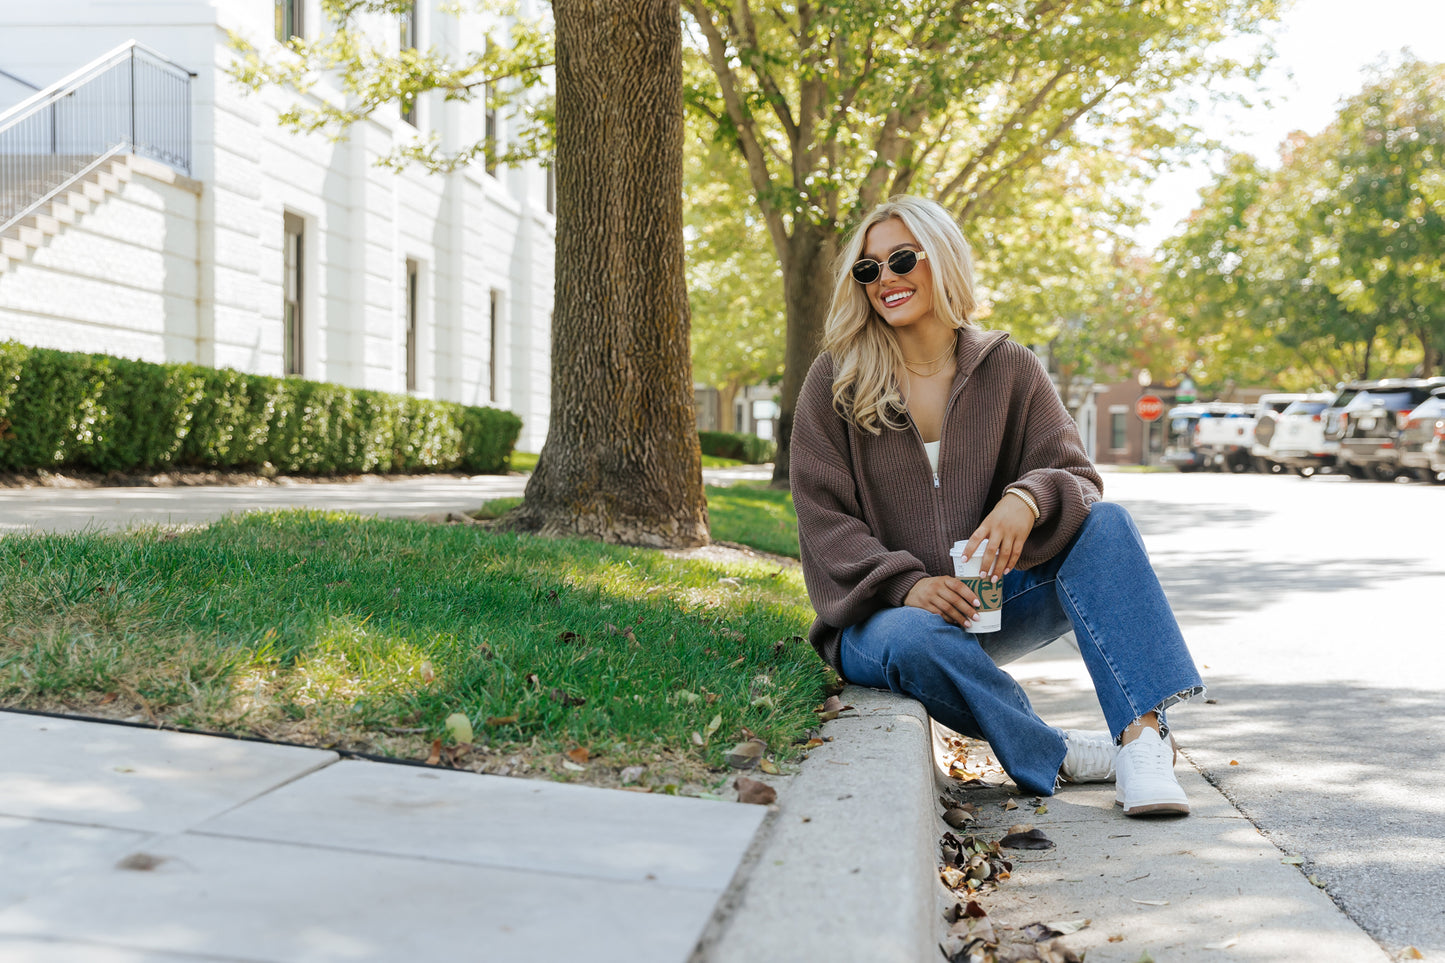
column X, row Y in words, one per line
column 128, row 844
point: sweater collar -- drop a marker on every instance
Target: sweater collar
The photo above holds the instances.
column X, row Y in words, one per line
column 974, row 344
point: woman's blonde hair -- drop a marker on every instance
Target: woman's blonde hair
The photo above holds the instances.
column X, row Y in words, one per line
column 865, row 352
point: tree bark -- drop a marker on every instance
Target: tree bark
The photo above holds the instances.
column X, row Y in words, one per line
column 807, row 292
column 621, row 462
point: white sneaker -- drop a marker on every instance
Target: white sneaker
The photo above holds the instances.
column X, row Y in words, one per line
column 1146, row 782
column 1090, row 757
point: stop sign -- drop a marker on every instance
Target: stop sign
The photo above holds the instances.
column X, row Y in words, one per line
column 1149, row 407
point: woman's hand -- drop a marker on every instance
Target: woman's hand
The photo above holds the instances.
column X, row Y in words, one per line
column 945, row 596
column 1007, row 527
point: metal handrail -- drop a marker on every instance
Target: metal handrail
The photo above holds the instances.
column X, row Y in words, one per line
column 130, row 100
column 19, row 80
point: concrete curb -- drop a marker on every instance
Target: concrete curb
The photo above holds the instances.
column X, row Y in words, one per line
column 845, row 869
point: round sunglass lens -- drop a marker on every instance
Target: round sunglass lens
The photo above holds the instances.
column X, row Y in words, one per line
column 901, row 262
column 866, row 272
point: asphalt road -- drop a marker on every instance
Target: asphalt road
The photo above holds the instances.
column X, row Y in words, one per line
column 1316, row 609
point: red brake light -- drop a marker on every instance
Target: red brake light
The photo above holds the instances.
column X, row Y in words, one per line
column 1314, row 418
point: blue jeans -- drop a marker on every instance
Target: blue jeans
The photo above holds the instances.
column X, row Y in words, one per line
column 1101, row 586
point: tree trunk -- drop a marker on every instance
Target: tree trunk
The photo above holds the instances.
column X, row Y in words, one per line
column 807, row 292
column 727, row 419
column 621, row 462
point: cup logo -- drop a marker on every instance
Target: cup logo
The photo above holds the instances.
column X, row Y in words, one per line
column 988, row 592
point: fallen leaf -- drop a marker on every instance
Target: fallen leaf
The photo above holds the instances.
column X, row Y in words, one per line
column 812, row 743
column 459, row 727
column 763, row 702
column 532, row 679
column 501, row 720
column 687, row 697
column 108, row 698
column 632, row 774
column 957, row 818
column 1039, row 932
column 1033, row 839
column 952, row 877
column 1222, row 946
column 1234, row 762
column 124, row 769
column 1145, row 958
column 712, row 726
column 1069, row 927
column 833, row 704
column 435, row 756
column 770, row 767
column 697, row 739
column 1117, row 938
column 571, row 766
column 1153, row 902
column 579, row 755
column 746, row 755
column 1316, row 881
column 752, row 791
column 1040, row 810
column 1293, row 860
column 1410, row 953
column 1009, row 805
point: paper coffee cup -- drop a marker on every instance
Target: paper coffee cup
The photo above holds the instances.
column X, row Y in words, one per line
column 990, row 593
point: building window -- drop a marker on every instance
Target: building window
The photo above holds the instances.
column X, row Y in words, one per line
column 288, row 20
column 491, row 130
column 291, row 315
column 412, row 274
column 409, row 35
column 492, row 326
column 1118, row 430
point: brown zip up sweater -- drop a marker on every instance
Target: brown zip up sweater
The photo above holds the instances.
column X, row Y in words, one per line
column 871, row 522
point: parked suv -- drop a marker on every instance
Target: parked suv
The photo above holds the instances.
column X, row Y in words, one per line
column 1297, row 438
column 1224, row 435
column 1369, row 425
column 1271, row 408
column 1179, row 448
column 1422, row 439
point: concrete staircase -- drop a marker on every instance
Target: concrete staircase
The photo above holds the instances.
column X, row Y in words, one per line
column 20, row 241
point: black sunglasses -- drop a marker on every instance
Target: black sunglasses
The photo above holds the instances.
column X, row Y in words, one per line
column 900, row 262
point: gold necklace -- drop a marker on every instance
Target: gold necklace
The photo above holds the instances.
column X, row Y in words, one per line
column 928, row 374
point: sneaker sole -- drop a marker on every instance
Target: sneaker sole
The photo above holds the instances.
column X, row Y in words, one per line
column 1155, row 809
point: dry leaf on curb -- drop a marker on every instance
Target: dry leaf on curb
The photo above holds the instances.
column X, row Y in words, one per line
column 1029, row 839
column 571, row 766
column 770, row 767
column 1009, row 805
column 435, row 756
column 1410, row 953
column 1040, row 810
column 579, row 755
column 1293, row 860
column 745, row 755
column 1153, row 902
column 958, row 817
column 1068, row 927
column 752, row 791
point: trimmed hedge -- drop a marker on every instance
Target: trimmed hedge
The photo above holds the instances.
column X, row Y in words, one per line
column 745, row 448
column 62, row 409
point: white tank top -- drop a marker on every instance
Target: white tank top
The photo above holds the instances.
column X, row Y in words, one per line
column 932, row 448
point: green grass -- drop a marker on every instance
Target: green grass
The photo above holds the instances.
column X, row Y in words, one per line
column 366, row 634
column 752, row 514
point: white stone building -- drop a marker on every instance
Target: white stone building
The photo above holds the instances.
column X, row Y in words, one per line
column 264, row 250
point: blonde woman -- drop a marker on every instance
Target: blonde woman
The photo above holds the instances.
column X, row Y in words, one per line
column 914, row 429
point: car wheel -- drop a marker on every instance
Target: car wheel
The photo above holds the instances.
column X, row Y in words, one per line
column 1354, row 471
column 1305, row 472
column 1384, row 473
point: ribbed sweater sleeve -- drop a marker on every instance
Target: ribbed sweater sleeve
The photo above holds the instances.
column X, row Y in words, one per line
column 848, row 571
column 1053, row 468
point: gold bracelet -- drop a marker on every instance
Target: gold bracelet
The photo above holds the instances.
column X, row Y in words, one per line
column 1027, row 499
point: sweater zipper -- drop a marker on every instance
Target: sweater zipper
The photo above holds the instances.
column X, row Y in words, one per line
column 937, row 484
